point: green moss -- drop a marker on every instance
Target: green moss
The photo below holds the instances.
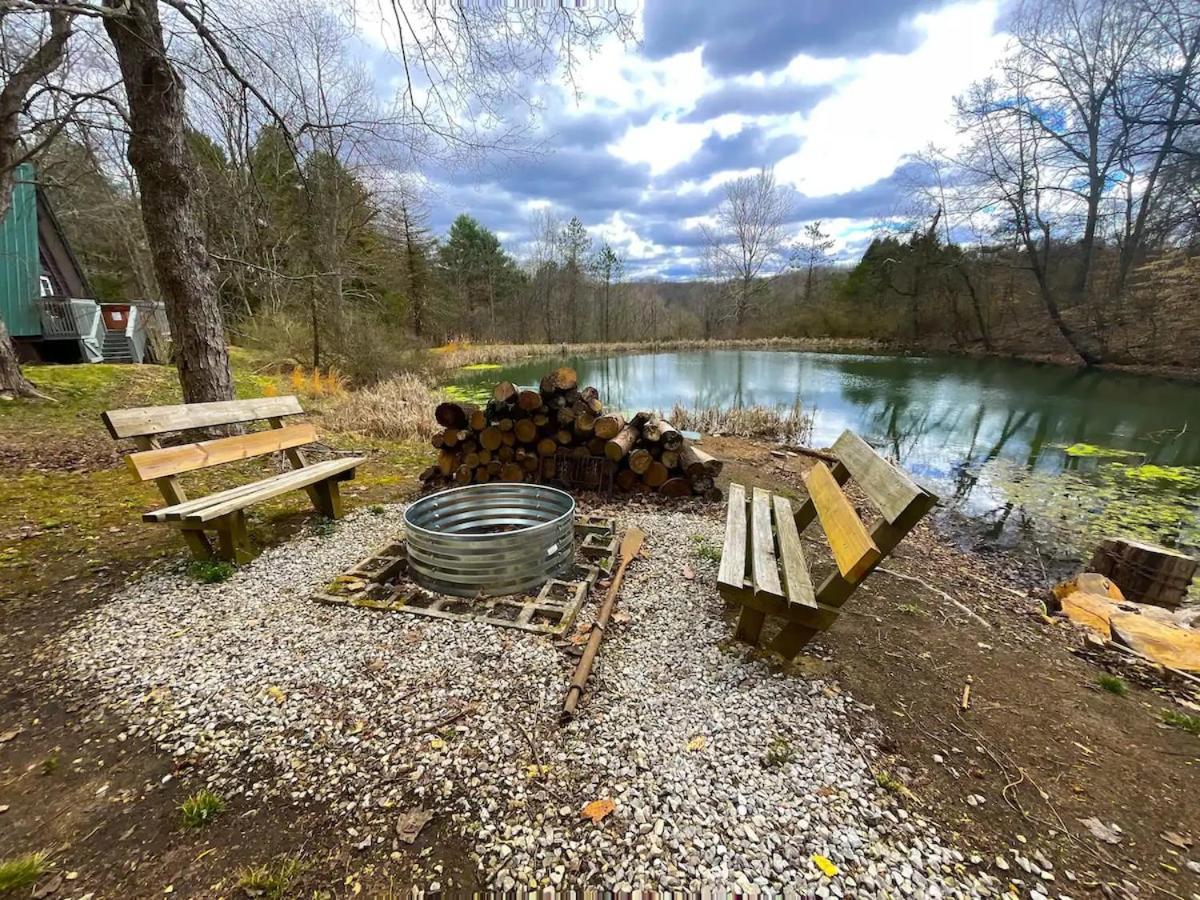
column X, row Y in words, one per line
column 467, row 393
column 1183, row 476
column 1083, row 450
column 1074, row 510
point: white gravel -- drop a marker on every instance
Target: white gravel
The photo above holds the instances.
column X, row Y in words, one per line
column 277, row 697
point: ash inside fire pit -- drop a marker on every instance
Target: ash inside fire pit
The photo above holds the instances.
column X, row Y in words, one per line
column 493, row 539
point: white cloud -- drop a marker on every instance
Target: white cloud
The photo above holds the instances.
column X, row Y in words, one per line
column 890, row 105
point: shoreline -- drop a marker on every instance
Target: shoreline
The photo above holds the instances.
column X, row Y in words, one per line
column 454, row 357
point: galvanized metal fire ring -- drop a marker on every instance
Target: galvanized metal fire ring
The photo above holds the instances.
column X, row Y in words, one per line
column 496, row 538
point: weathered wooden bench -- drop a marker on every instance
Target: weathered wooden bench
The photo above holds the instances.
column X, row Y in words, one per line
column 763, row 566
column 224, row 511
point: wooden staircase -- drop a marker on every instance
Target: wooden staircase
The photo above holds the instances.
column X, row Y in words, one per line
column 116, row 347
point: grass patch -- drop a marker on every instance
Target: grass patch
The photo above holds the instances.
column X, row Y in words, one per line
column 201, row 808
column 790, row 426
column 210, row 571
column 1114, row 684
column 271, row 881
column 705, row 549
column 909, row 609
column 779, row 753
column 891, row 783
column 22, row 871
column 1182, row 721
column 377, row 509
column 400, row 408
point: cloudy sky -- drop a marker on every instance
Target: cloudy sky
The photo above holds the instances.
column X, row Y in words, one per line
column 832, row 93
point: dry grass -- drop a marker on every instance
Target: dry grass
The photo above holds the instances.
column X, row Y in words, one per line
column 791, row 427
column 463, row 353
column 398, row 409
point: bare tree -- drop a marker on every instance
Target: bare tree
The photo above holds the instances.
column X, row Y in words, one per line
column 1071, row 139
column 746, row 240
column 465, row 66
column 38, row 52
column 811, row 250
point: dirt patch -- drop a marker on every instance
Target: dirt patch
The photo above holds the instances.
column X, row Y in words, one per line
column 1040, row 746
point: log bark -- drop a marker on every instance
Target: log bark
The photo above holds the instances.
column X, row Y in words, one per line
column 450, row 415
column 696, row 462
column 526, row 431
column 609, row 426
column 640, row 460
column 1145, row 573
column 676, row 487
column 626, row 480
column 619, row 446
column 669, row 436
column 170, row 203
column 656, row 475
column 490, row 438
column 505, row 392
column 562, row 379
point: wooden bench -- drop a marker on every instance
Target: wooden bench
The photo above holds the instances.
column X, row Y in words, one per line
column 763, row 566
column 224, row 511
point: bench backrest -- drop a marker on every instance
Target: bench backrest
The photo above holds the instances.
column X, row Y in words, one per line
column 145, row 421
column 901, row 502
column 145, row 424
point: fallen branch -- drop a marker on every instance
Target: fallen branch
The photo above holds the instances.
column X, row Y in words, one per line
column 921, row 581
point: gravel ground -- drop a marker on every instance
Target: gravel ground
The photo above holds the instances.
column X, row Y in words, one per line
column 724, row 773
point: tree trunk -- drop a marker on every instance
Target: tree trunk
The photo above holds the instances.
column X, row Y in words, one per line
column 12, row 380
column 1145, row 573
column 170, row 212
column 40, row 63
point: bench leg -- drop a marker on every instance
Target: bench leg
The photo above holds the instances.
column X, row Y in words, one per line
column 197, row 542
column 329, row 503
column 233, row 540
column 750, row 624
column 792, row 639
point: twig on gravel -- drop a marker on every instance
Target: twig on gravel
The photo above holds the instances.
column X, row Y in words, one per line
column 921, row 581
column 449, row 720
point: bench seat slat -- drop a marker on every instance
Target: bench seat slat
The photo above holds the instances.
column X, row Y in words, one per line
column 733, row 554
column 853, row 549
column 188, row 457
column 890, row 489
column 151, row 420
column 762, row 546
column 795, row 567
column 205, row 509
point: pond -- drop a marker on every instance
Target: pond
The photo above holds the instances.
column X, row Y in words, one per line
column 1024, row 452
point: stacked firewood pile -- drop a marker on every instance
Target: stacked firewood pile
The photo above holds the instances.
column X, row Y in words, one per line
column 527, row 435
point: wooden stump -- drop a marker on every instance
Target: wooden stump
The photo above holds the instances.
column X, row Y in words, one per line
column 1145, row 573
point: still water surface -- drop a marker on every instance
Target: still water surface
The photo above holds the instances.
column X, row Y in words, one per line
column 1040, row 453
